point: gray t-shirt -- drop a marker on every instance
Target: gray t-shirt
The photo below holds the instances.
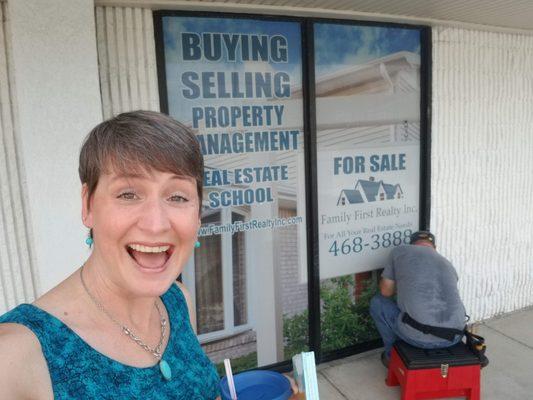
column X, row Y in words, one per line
column 426, row 287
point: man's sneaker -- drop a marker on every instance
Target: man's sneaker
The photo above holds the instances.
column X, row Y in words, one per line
column 385, row 360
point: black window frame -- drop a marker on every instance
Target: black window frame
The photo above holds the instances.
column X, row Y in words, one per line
column 310, row 149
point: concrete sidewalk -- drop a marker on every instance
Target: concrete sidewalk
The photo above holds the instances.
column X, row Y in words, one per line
column 509, row 376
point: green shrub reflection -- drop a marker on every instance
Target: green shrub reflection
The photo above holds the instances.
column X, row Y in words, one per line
column 344, row 320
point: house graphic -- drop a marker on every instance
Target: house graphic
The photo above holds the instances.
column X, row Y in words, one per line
column 367, row 191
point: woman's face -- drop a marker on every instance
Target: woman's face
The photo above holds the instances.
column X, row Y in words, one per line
column 144, row 228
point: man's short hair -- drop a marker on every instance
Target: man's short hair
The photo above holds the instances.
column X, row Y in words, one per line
column 422, row 235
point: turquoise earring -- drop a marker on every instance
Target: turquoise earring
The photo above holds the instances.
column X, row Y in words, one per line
column 89, row 241
column 197, row 244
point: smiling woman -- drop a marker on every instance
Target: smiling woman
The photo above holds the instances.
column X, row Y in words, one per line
column 121, row 326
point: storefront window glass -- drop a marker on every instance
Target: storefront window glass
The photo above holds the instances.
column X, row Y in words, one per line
column 237, row 83
column 208, row 282
column 240, row 309
column 367, row 85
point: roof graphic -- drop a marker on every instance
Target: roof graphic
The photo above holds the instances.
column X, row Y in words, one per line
column 370, row 188
column 353, row 196
column 366, row 191
column 391, row 190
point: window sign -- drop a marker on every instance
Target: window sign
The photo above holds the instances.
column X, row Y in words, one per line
column 368, row 140
column 237, row 84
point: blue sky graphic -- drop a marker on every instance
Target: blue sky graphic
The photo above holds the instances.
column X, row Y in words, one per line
column 338, row 46
column 173, row 26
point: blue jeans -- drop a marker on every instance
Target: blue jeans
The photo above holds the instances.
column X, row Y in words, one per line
column 385, row 312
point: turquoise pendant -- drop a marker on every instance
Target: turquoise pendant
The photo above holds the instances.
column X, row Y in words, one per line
column 165, row 370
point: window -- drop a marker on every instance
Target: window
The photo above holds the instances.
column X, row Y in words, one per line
column 220, row 259
column 208, row 281
column 368, row 91
column 236, row 81
column 240, row 306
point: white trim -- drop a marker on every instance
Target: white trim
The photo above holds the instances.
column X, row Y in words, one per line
column 250, row 306
column 227, row 272
column 280, row 10
column 353, row 111
column 219, row 335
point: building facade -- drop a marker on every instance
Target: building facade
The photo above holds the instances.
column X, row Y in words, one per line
column 66, row 65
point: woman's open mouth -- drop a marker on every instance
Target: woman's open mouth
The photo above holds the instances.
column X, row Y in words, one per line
column 151, row 258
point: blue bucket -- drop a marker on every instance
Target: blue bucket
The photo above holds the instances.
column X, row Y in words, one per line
column 258, row 385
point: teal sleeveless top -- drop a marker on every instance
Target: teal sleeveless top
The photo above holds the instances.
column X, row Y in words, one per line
column 80, row 372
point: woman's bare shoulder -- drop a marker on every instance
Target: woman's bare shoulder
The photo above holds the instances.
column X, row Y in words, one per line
column 17, row 338
column 24, row 370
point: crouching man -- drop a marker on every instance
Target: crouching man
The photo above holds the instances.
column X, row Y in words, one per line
column 428, row 312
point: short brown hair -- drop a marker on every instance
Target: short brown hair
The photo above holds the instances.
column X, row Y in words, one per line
column 137, row 141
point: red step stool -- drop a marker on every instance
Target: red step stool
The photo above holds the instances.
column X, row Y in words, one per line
column 435, row 373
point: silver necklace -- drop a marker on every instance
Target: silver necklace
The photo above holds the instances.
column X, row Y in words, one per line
column 156, row 351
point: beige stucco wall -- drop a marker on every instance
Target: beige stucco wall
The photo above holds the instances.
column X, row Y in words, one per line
column 55, row 97
column 18, row 280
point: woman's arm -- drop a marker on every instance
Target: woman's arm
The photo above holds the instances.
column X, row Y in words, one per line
column 24, row 371
column 192, row 311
